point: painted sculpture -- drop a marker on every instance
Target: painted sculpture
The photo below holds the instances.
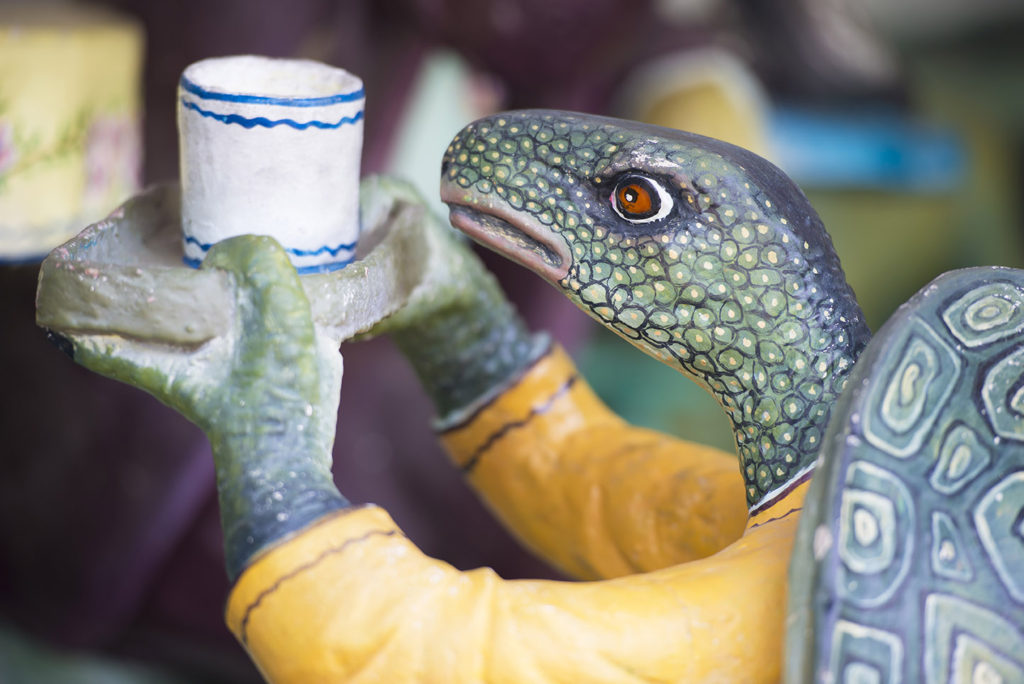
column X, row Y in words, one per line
column 909, row 564
column 906, row 564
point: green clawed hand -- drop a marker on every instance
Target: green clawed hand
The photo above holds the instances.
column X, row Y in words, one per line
column 263, row 379
column 266, row 395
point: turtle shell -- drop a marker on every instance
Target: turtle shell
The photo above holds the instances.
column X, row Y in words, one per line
column 909, row 561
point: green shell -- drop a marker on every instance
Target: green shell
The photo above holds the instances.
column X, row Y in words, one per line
column 909, row 563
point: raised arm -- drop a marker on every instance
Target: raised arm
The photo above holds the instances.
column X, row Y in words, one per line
column 266, row 395
column 325, row 591
column 586, row 491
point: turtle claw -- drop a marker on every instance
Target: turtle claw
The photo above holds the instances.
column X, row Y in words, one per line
column 270, row 361
column 273, row 360
column 265, row 392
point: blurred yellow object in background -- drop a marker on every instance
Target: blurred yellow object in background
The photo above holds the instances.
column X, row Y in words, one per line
column 706, row 91
column 70, row 146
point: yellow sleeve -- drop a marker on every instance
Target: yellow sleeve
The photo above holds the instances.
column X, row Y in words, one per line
column 583, row 489
column 351, row 599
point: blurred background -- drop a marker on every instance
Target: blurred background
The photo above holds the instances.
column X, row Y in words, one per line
column 903, row 122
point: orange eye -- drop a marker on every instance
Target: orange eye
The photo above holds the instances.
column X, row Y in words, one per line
column 639, row 199
column 634, row 199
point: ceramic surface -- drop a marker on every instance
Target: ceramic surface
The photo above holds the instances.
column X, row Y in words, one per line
column 123, row 276
column 271, row 147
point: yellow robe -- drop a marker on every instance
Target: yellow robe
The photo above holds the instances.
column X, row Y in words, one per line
column 351, row 599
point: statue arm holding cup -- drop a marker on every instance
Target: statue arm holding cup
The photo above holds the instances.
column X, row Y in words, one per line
column 266, row 395
column 348, row 597
column 325, row 590
column 267, row 392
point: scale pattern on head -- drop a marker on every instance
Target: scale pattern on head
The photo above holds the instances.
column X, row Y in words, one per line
column 700, row 253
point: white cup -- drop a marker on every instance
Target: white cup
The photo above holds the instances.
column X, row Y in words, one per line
column 271, row 147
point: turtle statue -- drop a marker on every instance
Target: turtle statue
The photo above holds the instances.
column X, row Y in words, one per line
column 872, row 532
column 909, row 565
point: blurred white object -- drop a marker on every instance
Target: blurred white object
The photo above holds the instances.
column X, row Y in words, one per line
column 271, row 147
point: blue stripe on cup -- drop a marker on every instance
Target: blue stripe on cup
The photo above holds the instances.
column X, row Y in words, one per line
column 264, row 122
column 301, row 253
column 205, row 94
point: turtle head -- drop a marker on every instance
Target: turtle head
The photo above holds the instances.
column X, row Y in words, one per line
column 700, row 253
column 660, row 234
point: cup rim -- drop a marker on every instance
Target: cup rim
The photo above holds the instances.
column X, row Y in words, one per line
column 188, row 82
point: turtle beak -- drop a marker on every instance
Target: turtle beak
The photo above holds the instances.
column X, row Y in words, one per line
column 515, row 234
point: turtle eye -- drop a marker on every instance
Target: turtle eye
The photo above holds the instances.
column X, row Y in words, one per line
column 640, row 199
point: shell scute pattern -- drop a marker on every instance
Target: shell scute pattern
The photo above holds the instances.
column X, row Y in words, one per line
column 923, row 472
column 713, row 288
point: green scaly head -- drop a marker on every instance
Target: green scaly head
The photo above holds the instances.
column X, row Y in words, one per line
column 700, row 253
